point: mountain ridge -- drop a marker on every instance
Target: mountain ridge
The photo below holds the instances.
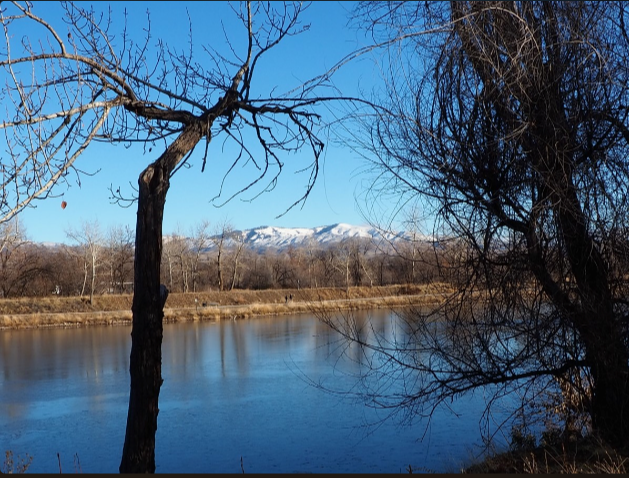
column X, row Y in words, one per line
column 279, row 238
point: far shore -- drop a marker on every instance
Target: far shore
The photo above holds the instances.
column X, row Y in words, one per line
column 212, row 306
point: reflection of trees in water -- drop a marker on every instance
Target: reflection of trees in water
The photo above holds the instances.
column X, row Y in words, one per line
column 239, row 345
column 184, row 349
column 415, row 361
column 82, row 358
column 41, row 354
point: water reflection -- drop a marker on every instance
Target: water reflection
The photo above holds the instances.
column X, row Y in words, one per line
column 54, row 354
column 231, row 389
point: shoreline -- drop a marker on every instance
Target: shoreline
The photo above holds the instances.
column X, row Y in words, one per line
column 216, row 312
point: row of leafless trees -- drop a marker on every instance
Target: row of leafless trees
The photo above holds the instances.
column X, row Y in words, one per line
column 100, row 261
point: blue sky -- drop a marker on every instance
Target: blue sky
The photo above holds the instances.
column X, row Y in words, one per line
column 342, row 177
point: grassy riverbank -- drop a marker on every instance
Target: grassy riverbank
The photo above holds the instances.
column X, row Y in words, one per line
column 213, row 305
column 588, row 455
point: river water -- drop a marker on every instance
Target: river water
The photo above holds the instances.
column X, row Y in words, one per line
column 237, row 395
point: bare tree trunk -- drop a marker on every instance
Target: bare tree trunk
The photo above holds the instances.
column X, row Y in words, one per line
column 195, row 273
column 600, row 331
column 84, row 278
column 184, row 274
column 236, row 257
column 593, row 314
column 93, row 283
column 219, row 267
column 145, row 367
column 170, row 272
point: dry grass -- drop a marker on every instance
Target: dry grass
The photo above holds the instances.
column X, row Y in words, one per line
column 585, row 456
column 15, row 465
column 116, row 309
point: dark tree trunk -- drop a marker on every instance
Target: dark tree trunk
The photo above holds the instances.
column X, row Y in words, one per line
column 593, row 312
column 610, row 400
column 145, row 367
column 601, row 334
column 219, row 266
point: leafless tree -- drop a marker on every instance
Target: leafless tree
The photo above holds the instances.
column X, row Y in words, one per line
column 510, row 120
column 168, row 258
column 119, row 256
column 199, row 242
column 284, row 274
column 298, row 262
column 34, row 275
column 11, row 238
column 361, row 248
column 22, row 268
column 259, row 274
column 222, row 234
column 410, row 252
column 347, row 262
column 90, row 241
column 327, row 260
column 238, row 239
column 177, row 255
column 66, row 88
column 311, row 247
column 63, row 270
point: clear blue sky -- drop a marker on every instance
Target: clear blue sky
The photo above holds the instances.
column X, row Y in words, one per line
column 188, row 203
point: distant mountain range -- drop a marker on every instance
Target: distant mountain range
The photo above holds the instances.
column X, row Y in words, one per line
column 271, row 237
column 280, row 238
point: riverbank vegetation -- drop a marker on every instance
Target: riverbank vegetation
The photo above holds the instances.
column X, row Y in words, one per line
column 589, row 455
column 212, row 305
column 99, row 262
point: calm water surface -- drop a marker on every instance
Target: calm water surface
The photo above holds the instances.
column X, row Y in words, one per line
column 233, row 390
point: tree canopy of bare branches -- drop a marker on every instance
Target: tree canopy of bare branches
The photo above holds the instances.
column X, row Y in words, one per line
column 510, row 121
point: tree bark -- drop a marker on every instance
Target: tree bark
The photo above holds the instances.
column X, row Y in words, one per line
column 145, row 367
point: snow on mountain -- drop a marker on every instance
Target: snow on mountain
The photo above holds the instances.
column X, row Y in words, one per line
column 282, row 237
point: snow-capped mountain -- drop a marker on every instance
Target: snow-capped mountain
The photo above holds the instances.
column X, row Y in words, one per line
column 279, row 238
column 272, row 237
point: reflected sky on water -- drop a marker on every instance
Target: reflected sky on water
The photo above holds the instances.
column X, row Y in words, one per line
column 232, row 390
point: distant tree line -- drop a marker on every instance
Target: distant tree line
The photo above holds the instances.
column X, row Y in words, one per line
column 96, row 261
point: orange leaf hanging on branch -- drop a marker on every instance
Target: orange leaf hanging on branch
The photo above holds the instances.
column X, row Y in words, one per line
column 63, row 204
